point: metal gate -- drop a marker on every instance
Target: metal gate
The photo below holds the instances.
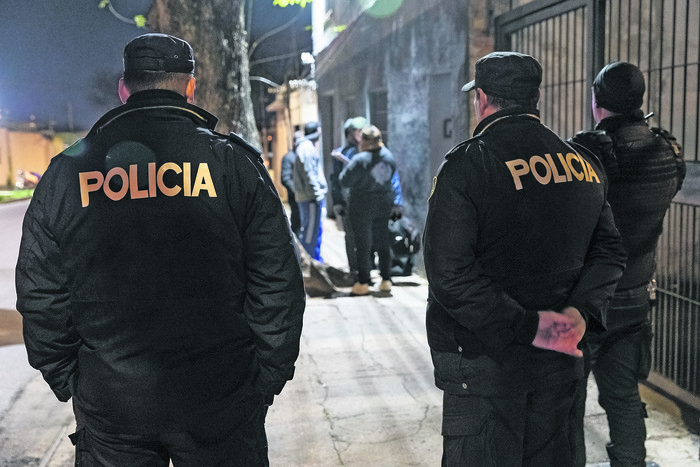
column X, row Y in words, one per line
column 558, row 34
column 573, row 40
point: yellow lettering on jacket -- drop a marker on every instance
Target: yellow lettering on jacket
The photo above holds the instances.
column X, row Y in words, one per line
column 545, row 169
column 96, row 181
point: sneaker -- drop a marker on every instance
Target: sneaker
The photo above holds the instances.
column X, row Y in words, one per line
column 359, row 289
column 385, row 286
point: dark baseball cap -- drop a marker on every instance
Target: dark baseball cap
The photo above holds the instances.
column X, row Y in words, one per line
column 619, row 87
column 312, row 131
column 509, row 75
column 158, row 52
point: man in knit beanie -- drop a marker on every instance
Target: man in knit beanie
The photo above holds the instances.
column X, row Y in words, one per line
column 619, row 88
column 645, row 169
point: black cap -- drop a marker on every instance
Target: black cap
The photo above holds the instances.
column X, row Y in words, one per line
column 158, row 52
column 619, row 87
column 509, row 75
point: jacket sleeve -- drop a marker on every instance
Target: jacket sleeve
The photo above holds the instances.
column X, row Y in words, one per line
column 350, row 174
column 287, row 171
column 50, row 337
column 456, row 280
column 275, row 295
column 336, row 188
column 396, row 185
column 605, row 262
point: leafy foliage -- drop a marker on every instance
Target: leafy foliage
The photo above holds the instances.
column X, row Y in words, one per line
column 138, row 20
column 286, row 3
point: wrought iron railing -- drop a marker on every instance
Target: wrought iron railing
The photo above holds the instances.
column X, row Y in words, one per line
column 676, row 315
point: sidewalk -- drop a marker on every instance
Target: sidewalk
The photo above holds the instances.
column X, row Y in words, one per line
column 363, row 393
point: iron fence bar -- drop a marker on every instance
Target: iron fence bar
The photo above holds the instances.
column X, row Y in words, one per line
column 697, row 74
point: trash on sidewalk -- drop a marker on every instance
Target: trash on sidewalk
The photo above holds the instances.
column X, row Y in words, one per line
column 321, row 280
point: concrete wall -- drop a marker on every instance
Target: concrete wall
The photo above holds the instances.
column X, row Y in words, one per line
column 26, row 150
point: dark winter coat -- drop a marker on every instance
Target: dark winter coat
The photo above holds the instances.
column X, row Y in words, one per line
column 517, row 223
column 157, row 277
column 368, row 181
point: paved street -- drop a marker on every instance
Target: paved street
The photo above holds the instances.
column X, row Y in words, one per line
column 363, row 394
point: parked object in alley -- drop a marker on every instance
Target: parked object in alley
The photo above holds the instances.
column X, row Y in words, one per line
column 405, row 246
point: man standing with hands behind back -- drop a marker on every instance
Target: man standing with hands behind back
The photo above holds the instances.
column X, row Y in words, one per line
column 158, row 280
column 522, row 256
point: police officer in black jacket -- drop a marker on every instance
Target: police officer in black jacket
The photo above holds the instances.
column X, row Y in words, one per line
column 158, row 280
column 646, row 169
column 522, row 257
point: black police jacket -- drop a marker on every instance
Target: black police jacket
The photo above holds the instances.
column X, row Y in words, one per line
column 157, row 277
column 517, row 223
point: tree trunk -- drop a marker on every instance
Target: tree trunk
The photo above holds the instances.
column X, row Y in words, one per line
column 216, row 31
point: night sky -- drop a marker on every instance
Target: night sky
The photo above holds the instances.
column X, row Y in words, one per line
column 60, row 60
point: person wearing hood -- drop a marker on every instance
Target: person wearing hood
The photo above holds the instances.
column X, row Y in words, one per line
column 310, row 189
column 369, row 181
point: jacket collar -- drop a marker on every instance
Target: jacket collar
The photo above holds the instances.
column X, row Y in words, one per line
column 508, row 114
column 615, row 122
column 158, row 99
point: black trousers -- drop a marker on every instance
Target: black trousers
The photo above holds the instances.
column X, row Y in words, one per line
column 371, row 233
column 619, row 359
column 240, row 446
column 516, row 430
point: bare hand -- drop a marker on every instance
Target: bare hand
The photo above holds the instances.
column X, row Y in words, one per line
column 560, row 332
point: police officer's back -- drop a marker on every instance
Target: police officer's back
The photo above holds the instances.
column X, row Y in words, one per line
column 521, row 254
column 158, row 280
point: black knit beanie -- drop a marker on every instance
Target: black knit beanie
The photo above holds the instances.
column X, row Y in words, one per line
column 619, row 87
